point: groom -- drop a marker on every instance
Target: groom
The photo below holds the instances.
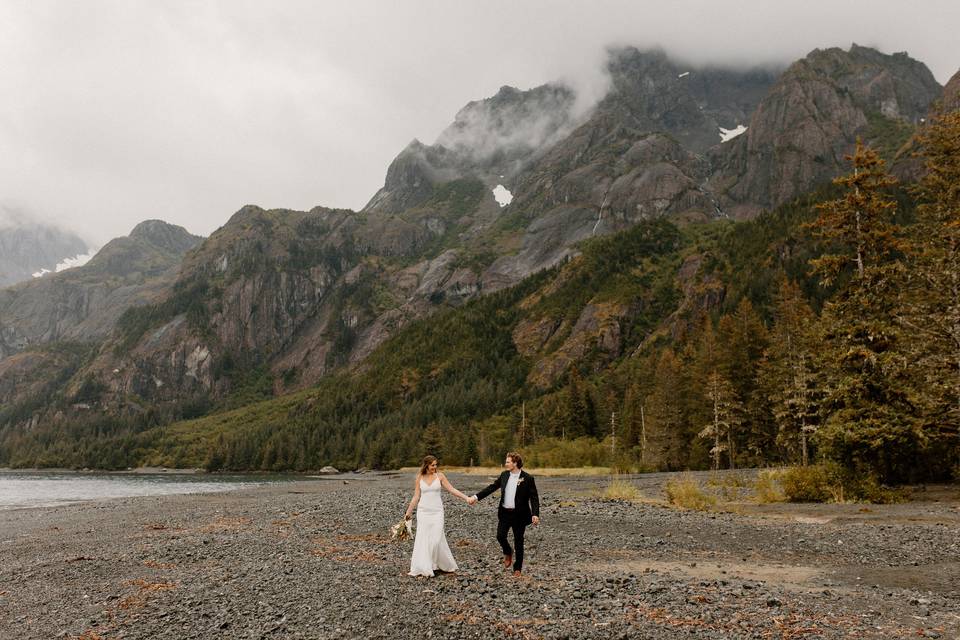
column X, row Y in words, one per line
column 519, row 506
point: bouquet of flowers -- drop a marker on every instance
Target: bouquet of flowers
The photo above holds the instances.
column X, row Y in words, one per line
column 401, row 531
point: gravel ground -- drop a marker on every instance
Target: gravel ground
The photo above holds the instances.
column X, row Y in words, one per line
column 312, row 559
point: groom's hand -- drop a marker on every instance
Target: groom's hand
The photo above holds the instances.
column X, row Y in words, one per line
column 536, row 519
column 472, row 500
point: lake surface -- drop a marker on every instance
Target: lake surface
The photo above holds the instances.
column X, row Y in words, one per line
column 19, row 489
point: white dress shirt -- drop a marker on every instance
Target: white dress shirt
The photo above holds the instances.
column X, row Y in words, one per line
column 510, row 491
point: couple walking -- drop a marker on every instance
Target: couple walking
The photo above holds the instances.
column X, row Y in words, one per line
column 519, row 507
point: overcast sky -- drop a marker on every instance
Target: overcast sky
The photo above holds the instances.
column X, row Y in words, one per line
column 112, row 112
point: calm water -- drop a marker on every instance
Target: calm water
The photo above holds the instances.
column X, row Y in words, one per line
column 41, row 489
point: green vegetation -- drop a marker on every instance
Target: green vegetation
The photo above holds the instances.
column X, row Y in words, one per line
column 887, row 135
column 450, row 205
column 189, row 297
column 821, row 336
column 457, row 197
column 808, row 484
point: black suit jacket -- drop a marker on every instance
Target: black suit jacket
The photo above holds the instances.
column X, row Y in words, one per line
column 527, row 501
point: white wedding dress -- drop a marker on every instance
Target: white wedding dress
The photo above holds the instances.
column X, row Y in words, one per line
column 430, row 549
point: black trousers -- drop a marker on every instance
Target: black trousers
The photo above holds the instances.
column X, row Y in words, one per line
column 508, row 521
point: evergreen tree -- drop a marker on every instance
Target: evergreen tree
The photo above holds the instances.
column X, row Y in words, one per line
column 786, row 377
column 726, row 417
column 433, row 441
column 576, row 421
column 667, row 438
column 870, row 425
column 742, row 340
column 932, row 314
column 590, row 426
column 471, row 454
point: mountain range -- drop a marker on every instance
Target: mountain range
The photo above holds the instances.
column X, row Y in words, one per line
column 32, row 249
column 162, row 325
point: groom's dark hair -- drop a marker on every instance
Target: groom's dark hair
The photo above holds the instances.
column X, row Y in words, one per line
column 517, row 460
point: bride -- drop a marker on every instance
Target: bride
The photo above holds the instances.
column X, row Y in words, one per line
column 430, row 549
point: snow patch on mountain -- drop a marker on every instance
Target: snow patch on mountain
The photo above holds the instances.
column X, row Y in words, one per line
column 502, row 195
column 67, row 263
column 729, row 134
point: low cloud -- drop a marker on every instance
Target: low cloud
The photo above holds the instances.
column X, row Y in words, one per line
column 122, row 110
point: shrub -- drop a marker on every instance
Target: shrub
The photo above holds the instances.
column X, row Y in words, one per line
column 621, row 490
column 867, row 488
column 832, row 483
column 767, row 487
column 728, row 484
column 806, row 484
column 685, row 492
column 554, row 452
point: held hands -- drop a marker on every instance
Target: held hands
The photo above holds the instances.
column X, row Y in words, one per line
column 472, row 500
column 536, row 520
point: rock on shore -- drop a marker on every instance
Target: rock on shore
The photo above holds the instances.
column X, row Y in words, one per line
column 313, row 559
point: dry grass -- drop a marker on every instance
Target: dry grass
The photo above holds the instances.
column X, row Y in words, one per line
column 685, row 492
column 766, row 487
column 621, row 490
column 546, row 472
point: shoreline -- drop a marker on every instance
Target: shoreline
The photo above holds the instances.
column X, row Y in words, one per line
column 308, row 559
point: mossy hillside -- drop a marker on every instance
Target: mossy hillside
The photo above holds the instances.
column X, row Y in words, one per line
column 455, row 369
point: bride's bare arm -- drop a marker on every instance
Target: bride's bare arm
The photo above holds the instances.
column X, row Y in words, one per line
column 416, row 497
column 449, row 487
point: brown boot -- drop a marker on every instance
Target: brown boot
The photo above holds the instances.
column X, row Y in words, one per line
column 507, row 560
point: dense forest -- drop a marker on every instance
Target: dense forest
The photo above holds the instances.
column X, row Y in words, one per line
column 825, row 331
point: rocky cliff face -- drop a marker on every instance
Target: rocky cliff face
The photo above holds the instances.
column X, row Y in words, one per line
column 287, row 296
column 951, row 94
column 802, row 130
column 28, row 247
column 83, row 304
column 489, row 140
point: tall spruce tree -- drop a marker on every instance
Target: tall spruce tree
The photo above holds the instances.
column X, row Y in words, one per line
column 932, row 314
column 786, row 375
column 433, row 441
column 726, row 418
column 742, row 339
column 576, row 423
column 870, row 425
column 667, row 425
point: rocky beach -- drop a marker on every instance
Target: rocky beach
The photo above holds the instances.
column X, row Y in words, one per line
column 313, row 559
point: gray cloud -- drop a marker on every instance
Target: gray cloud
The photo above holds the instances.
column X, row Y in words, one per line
column 118, row 111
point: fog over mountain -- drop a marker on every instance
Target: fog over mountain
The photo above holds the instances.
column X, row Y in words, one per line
column 121, row 111
column 32, row 248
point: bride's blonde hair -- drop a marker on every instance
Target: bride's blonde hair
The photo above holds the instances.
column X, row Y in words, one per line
column 425, row 464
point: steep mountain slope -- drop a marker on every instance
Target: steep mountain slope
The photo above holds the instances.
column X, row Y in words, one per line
column 951, row 93
column 82, row 304
column 801, row 131
column 49, row 327
column 276, row 300
column 467, row 370
column 28, row 247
